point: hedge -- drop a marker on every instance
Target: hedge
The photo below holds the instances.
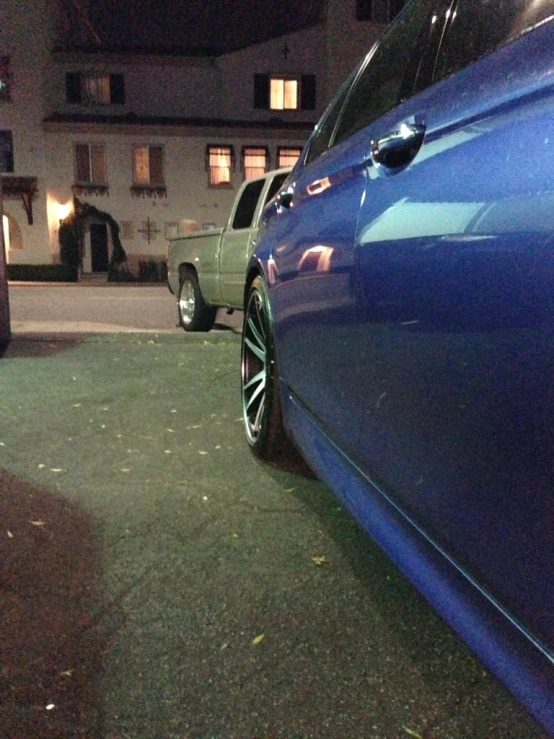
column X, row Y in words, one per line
column 43, row 272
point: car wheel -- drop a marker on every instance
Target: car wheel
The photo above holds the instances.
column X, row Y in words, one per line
column 194, row 313
column 261, row 406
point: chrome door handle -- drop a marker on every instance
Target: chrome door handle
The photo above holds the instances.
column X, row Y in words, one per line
column 397, row 148
column 284, row 199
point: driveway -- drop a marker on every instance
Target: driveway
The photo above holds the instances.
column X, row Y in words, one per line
column 157, row 581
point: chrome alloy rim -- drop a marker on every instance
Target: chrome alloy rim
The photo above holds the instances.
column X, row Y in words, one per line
column 254, row 367
column 186, row 302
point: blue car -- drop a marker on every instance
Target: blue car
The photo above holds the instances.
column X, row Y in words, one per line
column 399, row 319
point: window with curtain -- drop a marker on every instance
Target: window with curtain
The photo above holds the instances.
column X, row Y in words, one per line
column 283, row 93
column 287, row 156
column 90, row 164
column 220, row 161
column 148, row 166
column 255, row 161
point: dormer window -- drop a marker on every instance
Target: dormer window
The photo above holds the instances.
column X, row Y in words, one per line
column 284, row 92
column 95, row 89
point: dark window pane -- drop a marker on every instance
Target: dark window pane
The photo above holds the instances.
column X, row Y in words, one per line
column 6, row 151
column 156, row 165
column 364, row 10
column 247, row 204
column 479, row 27
column 307, row 92
column 324, row 130
column 275, row 186
column 117, row 89
column 389, row 75
column 261, row 91
column 82, row 163
column 73, row 87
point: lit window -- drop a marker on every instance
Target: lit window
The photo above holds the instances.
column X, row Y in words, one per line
column 90, row 164
column 287, row 156
column 220, row 163
column 148, row 165
column 6, row 151
column 255, row 161
column 283, row 93
column 96, row 88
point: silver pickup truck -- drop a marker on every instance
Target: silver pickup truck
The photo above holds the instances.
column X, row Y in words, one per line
column 206, row 270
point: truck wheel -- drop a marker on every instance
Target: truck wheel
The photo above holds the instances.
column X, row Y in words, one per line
column 194, row 313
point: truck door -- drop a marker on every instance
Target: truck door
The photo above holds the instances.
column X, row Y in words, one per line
column 236, row 244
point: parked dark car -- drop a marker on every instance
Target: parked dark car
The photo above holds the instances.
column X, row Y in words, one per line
column 399, row 319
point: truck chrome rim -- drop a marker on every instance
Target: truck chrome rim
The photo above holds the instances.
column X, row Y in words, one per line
column 254, row 366
column 186, row 302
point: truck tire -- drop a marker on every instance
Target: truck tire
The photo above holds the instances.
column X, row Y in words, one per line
column 193, row 312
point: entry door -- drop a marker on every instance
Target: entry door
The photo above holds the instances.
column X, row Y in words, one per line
column 99, row 247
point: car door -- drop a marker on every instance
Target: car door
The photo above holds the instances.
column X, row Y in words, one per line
column 313, row 228
column 455, row 290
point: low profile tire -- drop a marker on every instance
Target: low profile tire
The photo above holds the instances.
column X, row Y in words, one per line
column 261, row 405
column 194, row 313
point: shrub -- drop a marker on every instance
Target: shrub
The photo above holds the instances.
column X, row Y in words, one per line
column 43, row 272
column 152, row 271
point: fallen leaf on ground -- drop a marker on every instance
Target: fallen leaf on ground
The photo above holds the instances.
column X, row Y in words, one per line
column 289, row 490
column 411, row 732
column 38, row 522
column 56, row 469
column 10, row 535
column 224, row 646
column 320, row 560
column 257, row 639
column 66, row 673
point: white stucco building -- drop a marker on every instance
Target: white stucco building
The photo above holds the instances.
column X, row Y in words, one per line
column 157, row 142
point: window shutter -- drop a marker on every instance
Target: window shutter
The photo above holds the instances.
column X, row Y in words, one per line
column 261, row 91
column 307, row 92
column 73, row 87
column 117, row 89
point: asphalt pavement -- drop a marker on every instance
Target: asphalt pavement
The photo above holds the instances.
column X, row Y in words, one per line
column 156, row 581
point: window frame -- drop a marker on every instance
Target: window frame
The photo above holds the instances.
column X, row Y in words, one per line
column 283, row 149
column 210, row 168
column 245, row 153
column 150, row 182
column 425, row 51
column 365, row 10
column 5, row 79
column 7, row 157
column 92, row 181
column 76, row 92
column 284, row 78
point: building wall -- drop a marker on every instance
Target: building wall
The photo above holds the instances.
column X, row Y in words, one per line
column 305, row 53
column 165, row 90
column 25, row 38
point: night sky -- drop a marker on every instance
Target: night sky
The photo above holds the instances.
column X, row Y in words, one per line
column 219, row 25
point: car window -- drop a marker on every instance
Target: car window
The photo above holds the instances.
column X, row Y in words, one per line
column 275, row 186
column 391, row 70
column 479, row 27
column 246, row 206
column 323, row 133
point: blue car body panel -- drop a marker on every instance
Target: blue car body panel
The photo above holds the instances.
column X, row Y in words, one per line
column 413, row 310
